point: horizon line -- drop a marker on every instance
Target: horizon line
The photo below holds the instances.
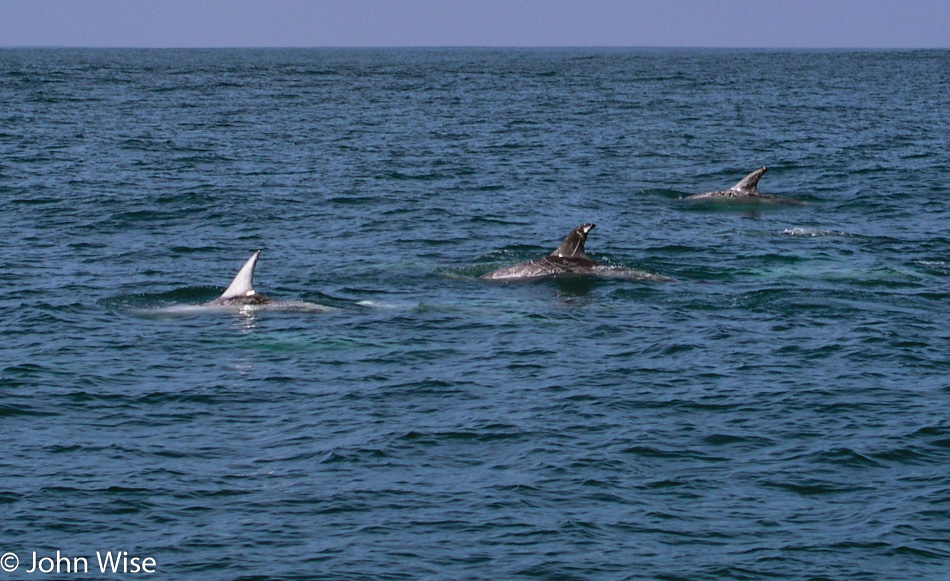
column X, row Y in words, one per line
column 473, row 46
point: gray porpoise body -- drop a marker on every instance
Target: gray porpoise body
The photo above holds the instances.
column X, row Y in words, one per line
column 240, row 297
column 747, row 189
column 547, row 266
column 567, row 260
column 246, row 300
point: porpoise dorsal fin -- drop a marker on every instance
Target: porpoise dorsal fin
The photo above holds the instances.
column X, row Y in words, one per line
column 750, row 183
column 243, row 283
column 573, row 244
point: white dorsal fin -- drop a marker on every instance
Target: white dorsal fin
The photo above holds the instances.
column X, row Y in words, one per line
column 751, row 181
column 243, row 283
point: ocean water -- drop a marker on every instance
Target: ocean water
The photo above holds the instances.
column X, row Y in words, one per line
column 780, row 410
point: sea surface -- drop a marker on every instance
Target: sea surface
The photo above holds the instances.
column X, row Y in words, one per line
column 780, row 409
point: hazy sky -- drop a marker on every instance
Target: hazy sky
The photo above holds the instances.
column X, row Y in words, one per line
column 706, row 23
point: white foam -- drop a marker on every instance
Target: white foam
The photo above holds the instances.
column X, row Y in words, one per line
column 812, row 232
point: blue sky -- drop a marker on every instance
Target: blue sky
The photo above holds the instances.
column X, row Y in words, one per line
column 669, row 23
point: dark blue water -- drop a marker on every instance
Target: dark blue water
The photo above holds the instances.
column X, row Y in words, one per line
column 780, row 410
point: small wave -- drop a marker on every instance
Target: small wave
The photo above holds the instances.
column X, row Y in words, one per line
column 429, row 176
column 9, row 410
column 386, row 305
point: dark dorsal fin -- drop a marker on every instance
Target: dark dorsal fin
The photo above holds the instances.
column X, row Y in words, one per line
column 750, row 183
column 573, row 245
column 243, row 283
